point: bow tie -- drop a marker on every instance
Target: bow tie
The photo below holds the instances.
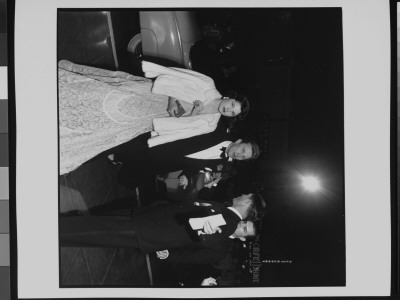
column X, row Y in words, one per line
column 223, row 154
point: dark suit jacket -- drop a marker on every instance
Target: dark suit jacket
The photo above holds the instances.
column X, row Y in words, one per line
column 166, row 227
column 170, row 157
column 205, row 255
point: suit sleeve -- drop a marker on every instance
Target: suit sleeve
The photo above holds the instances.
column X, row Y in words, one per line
column 195, row 256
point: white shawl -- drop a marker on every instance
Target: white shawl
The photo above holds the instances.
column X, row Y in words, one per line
column 185, row 85
column 171, row 129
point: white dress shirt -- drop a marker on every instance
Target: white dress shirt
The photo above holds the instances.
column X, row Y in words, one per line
column 236, row 212
column 213, row 152
column 239, row 215
column 230, row 207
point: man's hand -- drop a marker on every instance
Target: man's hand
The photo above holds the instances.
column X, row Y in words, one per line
column 209, row 229
column 172, row 108
column 211, row 183
column 163, row 254
column 209, row 282
column 183, row 181
column 216, row 175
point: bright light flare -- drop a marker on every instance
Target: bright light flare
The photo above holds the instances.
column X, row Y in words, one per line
column 311, row 183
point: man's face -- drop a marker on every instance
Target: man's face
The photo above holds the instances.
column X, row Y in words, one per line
column 244, row 229
column 239, row 150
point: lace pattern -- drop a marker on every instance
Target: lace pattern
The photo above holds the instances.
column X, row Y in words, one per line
column 100, row 109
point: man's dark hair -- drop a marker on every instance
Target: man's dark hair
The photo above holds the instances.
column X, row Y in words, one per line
column 255, row 149
column 257, row 209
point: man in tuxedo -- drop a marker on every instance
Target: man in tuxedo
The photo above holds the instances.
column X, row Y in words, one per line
column 216, row 249
column 190, row 154
column 164, row 227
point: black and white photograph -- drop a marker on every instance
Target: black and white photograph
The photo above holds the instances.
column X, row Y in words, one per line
column 201, row 147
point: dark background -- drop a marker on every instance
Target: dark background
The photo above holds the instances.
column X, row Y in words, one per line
column 291, row 67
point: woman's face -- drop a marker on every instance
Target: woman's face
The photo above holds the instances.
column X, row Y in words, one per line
column 229, row 107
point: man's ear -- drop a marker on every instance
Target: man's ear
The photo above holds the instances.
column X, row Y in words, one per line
column 238, row 141
column 242, row 239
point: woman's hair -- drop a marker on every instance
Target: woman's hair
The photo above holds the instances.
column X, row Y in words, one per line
column 244, row 104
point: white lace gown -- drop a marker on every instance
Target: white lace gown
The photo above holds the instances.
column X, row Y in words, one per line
column 101, row 109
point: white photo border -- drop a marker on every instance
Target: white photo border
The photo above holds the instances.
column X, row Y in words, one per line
column 366, row 34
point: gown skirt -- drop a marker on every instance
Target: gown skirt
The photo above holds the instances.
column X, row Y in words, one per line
column 101, row 109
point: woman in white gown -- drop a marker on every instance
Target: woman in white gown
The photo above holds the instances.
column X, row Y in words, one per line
column 100, row 109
